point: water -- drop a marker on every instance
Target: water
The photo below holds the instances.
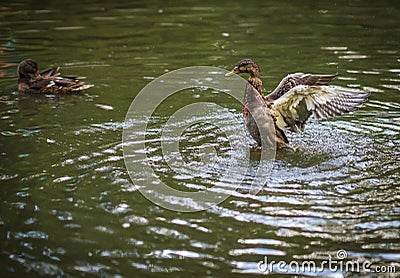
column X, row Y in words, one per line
column 68, row 206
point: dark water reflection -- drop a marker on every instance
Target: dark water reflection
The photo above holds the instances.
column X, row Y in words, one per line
column 68, row 206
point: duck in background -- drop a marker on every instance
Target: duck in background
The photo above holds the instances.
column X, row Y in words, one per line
column 49, row 81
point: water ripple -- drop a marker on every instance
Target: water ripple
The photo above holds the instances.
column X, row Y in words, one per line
column 68, row 205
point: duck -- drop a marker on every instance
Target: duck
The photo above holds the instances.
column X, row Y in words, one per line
column 49, row 81
column 297, row 98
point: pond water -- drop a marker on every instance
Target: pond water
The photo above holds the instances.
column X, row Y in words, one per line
column 68, row 207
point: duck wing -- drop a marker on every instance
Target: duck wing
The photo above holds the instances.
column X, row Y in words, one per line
column 293, row 109
column 296, row 79
column 52, row 72
column 41, row 83
column 66, row 84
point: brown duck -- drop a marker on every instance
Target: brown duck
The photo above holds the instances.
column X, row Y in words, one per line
column 298, row 97
column 30, row 80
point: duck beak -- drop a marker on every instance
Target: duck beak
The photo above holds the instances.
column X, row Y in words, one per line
column 37, row 74
column 233, row 72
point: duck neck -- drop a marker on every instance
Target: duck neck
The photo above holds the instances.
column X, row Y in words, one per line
column 255, row 78
column 252, row 93
column 256, row 82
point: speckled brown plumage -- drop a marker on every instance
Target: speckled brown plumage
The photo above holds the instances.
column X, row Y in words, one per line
column 297, row 97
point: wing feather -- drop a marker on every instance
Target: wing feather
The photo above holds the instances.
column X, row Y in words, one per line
column 293, row 109
column 297, row 79
column 52, row 72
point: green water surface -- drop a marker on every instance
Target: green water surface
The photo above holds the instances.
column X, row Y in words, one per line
column 68, row 207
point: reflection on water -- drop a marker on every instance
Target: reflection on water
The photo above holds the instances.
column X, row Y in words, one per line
column 68, row 206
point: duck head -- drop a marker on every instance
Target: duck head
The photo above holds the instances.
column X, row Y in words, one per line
column 27, row 68
column 245, row 66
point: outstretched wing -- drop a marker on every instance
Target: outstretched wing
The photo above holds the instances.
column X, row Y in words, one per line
column 296, row 79
column 293, row 109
